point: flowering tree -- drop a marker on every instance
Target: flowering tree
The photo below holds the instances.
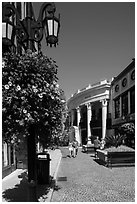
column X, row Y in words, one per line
column 128, row 129
column 31, row 96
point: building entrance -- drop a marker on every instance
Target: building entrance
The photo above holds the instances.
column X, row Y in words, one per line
column 84, row 136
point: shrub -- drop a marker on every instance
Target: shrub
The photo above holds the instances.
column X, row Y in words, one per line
column 114, row 140
column 121, row 148
column 128, row 129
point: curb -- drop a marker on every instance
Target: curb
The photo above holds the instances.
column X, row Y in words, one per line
column 54, row 178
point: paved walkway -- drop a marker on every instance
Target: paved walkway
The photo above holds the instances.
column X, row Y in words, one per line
column 82, row 179
column 15, row 187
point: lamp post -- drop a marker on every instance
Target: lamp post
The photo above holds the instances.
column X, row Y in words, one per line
column 29, row 31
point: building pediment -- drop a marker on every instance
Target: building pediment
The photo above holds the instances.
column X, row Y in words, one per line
column 92, row 93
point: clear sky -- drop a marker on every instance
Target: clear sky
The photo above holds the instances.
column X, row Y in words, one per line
column 96, row 41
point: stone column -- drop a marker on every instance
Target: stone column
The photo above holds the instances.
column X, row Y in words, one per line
column 129, row 102
column 5, row 149
column 72, row 117
column 104, row 117
column 69, row 118
column 120, row 106
column 9, row 153
column 78, row 121
column 78, row 116
column 89, row 115
column 14, row 154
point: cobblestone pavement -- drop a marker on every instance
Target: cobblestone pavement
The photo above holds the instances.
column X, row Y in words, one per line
column 82, row 179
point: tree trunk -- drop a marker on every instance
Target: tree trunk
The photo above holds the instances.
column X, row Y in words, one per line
column 31, row 154
column 32, row 171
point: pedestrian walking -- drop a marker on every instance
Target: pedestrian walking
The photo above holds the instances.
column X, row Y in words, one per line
column 71, row 149
column 75, row 146
column 96, row 145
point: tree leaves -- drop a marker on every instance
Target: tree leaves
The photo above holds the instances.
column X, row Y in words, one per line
column 31, row 94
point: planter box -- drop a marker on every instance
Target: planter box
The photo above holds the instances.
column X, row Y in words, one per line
column 111, row 158
column 102, row 155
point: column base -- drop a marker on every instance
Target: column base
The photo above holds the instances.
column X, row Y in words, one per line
column 89, row 142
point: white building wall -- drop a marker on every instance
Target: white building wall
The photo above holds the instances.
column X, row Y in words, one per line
column 94, row 93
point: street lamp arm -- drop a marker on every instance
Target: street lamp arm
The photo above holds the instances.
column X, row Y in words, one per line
column 50, row 7
column 9, row 10
column 37, row 26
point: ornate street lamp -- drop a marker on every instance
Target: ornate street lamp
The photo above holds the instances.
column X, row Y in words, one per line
column 52, row 30
column 7, row 32
column 29, row 30
column 50, row 23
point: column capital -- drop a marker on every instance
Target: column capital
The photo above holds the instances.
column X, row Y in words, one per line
column 78, row 108
column 104, row 102
column 88, row 106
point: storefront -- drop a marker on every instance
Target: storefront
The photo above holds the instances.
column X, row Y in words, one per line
column 8, row 158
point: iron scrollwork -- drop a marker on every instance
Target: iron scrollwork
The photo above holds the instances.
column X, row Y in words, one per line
column 35, row 33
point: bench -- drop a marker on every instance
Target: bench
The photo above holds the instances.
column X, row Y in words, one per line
column 88, row 148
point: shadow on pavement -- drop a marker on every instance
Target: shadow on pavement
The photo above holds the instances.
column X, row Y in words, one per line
column 43, row 190
column 66, row 156
column 19, row 192
column 100, row 162
column 92, row 155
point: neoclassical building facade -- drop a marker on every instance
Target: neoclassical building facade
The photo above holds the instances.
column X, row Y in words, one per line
column 88, row 111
